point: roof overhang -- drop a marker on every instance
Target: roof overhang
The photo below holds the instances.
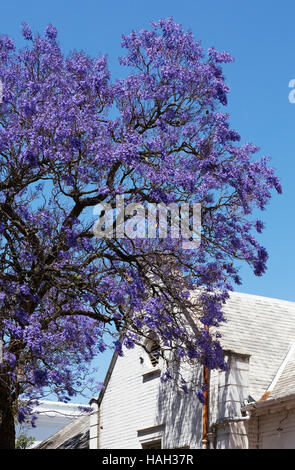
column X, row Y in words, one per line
column 270, row 406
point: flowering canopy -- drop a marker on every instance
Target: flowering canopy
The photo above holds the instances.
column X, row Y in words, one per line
column 70, row 138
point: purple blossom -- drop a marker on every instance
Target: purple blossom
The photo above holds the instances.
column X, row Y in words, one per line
column 118, row 348
column 200, row 396
column 27, row 32
column 259, row 225
column 166, row 376
column 40, row 377
column 51, row 32
column 129, row 343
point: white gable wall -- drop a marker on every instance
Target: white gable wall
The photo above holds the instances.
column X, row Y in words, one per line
column 137, row 407
column 128, row 404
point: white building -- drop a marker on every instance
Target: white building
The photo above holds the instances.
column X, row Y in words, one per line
column 51, row 417
column 251, row 405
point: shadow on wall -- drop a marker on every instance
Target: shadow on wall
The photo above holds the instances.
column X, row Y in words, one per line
column 233, row 386
column 182, row 415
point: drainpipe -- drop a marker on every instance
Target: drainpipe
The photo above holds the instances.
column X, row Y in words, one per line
column 205, row 416
column 205, row 420
column 206, row 381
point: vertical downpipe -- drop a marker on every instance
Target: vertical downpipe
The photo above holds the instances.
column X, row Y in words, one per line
column 205, row 416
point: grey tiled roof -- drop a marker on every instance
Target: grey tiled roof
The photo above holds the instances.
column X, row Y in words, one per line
column 263, row 327
column 285, row 384
column 73, row 436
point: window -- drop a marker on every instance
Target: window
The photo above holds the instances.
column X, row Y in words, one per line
column 153, row 349
column 151, row 438
column 152, row 445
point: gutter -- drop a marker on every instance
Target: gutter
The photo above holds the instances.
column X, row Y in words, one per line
column 264, row 405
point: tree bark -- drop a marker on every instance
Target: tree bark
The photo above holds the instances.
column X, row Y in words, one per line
column 7, row 428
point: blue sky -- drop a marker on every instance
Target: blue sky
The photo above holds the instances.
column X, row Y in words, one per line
column 261, row 37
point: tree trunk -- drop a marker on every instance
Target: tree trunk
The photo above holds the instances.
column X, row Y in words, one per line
column 7, row 429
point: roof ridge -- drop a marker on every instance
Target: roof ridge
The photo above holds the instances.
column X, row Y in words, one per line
column 242, row 294
column 61, row 403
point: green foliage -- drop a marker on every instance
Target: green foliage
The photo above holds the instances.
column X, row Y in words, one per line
column 24, row 442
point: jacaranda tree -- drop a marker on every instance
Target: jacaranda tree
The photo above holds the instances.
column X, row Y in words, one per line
column 70, row 139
